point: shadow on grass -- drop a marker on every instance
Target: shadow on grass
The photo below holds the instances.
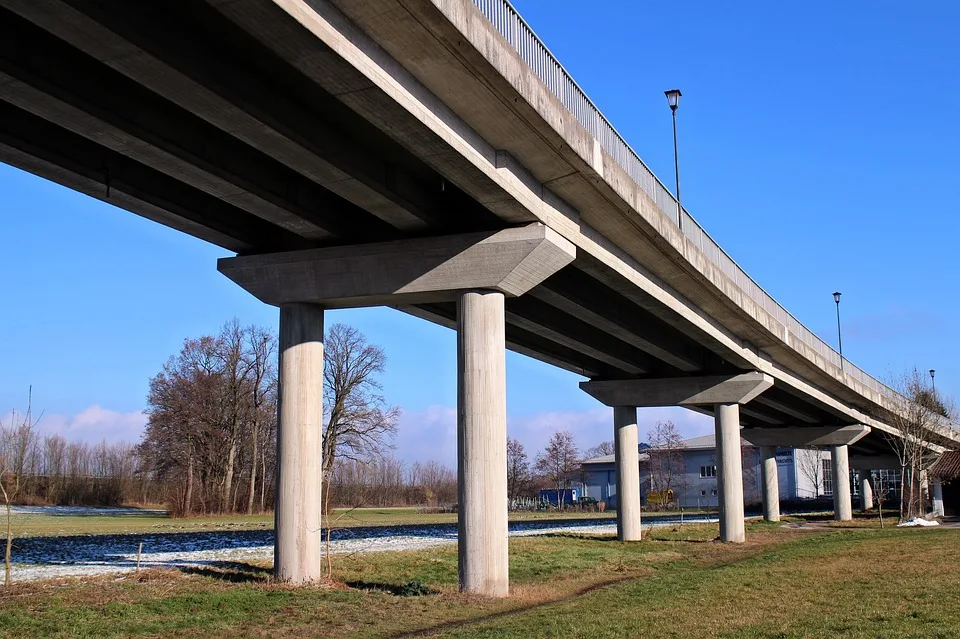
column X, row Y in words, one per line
column 670, row 540
column 410, row 589
column 230, row 571
column 461, row 623
column 574, row 535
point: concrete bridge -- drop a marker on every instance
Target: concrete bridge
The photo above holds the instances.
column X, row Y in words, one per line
column 433, row 156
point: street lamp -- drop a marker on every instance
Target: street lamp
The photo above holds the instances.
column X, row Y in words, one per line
column 933, row 384
column 673, row 99
column 836, row 298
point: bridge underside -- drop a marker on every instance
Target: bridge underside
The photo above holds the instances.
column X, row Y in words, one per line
column 183, row 115
column 232, row 122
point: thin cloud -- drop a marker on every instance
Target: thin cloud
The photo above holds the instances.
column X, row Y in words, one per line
column 93, row 424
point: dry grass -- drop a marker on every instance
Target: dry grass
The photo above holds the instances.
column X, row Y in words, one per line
column 679, row 583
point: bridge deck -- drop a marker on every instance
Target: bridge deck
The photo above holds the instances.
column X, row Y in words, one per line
column 266, row 126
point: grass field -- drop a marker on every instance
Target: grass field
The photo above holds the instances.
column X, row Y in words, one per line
column 147, row 521
column 784, row 583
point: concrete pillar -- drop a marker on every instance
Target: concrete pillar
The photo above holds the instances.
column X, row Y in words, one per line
column 297, row 509
column 840, row 464
column 771, row 483
column 936, row 489
column 866, row 490
column 482, row 443
column 626, row 451
column 729, row 472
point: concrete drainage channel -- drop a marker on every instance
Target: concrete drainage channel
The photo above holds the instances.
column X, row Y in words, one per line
column 46, row 557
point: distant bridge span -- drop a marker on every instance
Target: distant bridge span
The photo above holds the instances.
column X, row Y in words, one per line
column 433, row 156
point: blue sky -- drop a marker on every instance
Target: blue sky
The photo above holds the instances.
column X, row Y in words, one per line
column 817, row 144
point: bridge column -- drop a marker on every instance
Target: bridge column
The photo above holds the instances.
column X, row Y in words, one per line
column 729, row 472
column 936, row 495
column 725, row 393
column 297, row 509
column 866, row 490
column 770, row 479
column 475, row 271
column 482, row 443
column 840, row 464
column 627, row 456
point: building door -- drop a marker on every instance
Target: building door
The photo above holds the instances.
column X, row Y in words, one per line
column 951, row 498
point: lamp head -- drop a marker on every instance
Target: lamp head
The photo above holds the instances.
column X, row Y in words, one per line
column 673, row 98
column 836, row 297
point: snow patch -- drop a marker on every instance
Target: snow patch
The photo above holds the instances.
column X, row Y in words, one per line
column 919, row 521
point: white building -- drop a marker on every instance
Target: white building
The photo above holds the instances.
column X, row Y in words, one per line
column 803, row 475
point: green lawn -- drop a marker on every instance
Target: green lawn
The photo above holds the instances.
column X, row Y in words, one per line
column 784, row 583
column 148, row 521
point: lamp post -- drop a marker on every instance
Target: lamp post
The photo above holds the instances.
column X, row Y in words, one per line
column 933, row 384
column 673, row 99
column 836, row 298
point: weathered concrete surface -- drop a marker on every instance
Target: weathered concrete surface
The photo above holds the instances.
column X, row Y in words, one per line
column 627, row 456
column 682, row 391
column 866, row 491
column 936, row 496
column 806, row 436
column 299, row 445
column 840, row 464
column 770, row 481
column 729, row 472
column 482, row 444
column 432, row 269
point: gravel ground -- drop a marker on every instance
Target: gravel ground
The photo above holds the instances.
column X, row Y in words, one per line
column 46, row 557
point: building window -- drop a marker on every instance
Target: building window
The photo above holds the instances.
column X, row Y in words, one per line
column 827, row 478
column 714, row 493
column 708, row 471
column 703, row 493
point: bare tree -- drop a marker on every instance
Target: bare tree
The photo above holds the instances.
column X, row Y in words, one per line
column 359, row 423
column 810, row 464
column 208, row 410
column 600, row 450
column 665, row 459
column 518, row 469
column 558, row 462
column 260, row 355
column 17, row 442
column 918, row 413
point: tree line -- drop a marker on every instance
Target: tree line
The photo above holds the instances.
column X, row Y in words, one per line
column 210, row 440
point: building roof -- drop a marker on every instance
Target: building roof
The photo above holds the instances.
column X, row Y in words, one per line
column 704, row 442
column 947, row 467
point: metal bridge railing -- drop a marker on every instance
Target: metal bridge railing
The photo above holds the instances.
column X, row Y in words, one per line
column 545, row 65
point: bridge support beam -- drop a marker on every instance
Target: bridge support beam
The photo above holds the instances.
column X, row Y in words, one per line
column 806, row 436
column 627, row 456
column 770, row 479
column 725, row 393
column 729, row 472
column 866, row 490
column 840, row 464
column 482, row 443
column 297, row 511
column 477, row 270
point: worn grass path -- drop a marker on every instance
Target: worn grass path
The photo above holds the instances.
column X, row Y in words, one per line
column 783, row 583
